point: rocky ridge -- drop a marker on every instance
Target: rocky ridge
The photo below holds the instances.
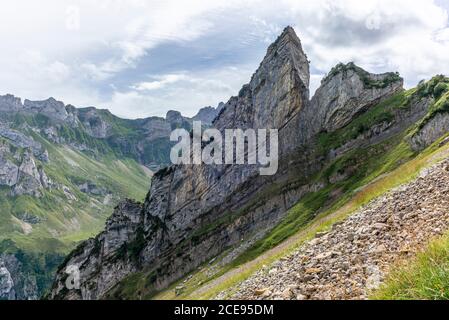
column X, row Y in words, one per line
column 354, row 257
column 145, row 140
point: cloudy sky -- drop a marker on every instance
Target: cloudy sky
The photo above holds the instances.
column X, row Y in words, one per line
column 141, row 58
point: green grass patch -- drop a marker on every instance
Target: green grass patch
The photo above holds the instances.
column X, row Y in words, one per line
column 426, row 277
column 137, row 286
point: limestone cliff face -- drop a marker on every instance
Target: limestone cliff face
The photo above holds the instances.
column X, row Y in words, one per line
column 347, row 91
column 52, row 108
column 10, row 103
column 435, row 128
column 193, row 213
column 277, row 91
column 101, row 260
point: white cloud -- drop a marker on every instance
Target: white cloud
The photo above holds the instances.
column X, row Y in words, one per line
column 407, row 36
column 87, row 52
column 160, row 83
column 183, row 92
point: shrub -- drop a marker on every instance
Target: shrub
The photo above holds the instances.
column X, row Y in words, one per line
column 439, row 89
column 369, row 83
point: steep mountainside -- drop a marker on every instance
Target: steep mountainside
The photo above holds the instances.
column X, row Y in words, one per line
column 356, row 255
column 62, row 170
column 356, row 128
column 373, row 154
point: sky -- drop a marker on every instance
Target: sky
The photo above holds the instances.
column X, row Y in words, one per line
column 142, row 58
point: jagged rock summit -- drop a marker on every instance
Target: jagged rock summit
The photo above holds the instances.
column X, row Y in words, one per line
column 194, row 213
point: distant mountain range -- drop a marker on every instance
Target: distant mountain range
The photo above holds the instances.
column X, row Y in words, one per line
column 62, row 170
column 99, row 131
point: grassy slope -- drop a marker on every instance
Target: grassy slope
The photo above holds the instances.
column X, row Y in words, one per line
column 66, row 222
column 394, row 164
column 426, row 277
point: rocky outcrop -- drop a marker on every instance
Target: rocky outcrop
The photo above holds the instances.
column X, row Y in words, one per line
column 31, row 179
column 353, row 258
column 430, row 132
column 21, row 140
column 156, row 128
column 19, row 170
column 29, row 218
column 51, row 108
column 9, row 172
column 6, row 284
column 208, row 114
column 193, row 213
column 176, row 120
column 94, row 122
column 9, row 103
column 347, row 91
column 102, row 261
column 93, row 189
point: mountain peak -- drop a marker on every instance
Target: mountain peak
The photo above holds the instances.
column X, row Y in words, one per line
column 288, row 48
column 173, row 114
column 42, row 103
column 206, row 114
column 287, row 37
column 10, row 102
column 348, row 90
column 289, row 32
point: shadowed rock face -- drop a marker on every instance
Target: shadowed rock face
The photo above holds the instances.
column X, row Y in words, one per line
column 193, row 213
column 14, row 283
column 102, row 256
column 6, row 284
column 145, row 140
column 436, row 128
